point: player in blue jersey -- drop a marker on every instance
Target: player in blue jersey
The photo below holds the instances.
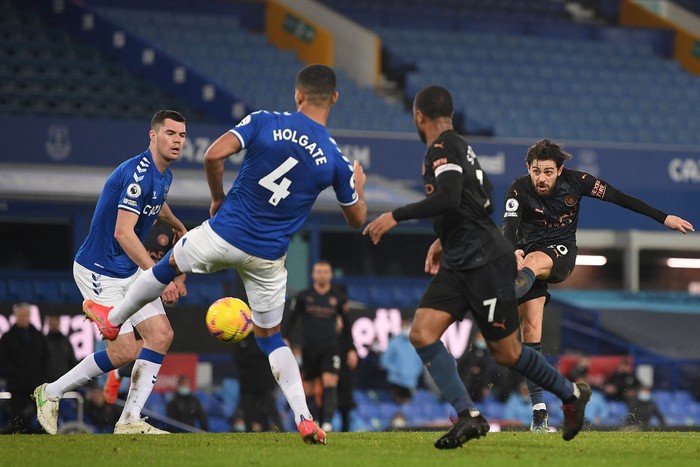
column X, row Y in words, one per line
column 290, row 159
column 107, row 264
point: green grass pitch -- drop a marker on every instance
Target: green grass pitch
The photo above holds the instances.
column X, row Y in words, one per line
column 351, row 449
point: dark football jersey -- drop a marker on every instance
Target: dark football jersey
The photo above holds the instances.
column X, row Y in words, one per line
column 318, row 313
column 469, row 237
column 548, row 220
column 159, row 241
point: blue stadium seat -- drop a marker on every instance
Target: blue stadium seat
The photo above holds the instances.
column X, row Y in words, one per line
column 20, row 289
column 157, row 403
column 218, row 424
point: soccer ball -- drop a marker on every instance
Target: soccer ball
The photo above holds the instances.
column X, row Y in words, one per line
column 229, row 320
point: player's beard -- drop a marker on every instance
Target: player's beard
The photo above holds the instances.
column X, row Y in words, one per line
column 544, row 194
column 421, row 134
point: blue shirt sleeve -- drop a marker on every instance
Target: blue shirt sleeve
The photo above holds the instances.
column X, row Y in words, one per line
column 344, row 181
column 133, row 191
column 247, row 128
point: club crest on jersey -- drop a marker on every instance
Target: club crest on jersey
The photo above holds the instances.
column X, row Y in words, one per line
column 133, row 190
column 332, row 301
column 570, row 200
column 512, row 205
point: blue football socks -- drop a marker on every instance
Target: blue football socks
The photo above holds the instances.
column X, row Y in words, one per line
column 443, row 369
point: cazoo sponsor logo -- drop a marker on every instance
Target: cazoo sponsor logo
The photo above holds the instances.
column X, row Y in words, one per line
column 684, row 170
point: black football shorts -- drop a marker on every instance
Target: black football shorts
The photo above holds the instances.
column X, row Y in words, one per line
column 488, row 292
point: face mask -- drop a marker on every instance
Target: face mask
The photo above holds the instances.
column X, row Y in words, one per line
column 238, row 426
column 184, row 391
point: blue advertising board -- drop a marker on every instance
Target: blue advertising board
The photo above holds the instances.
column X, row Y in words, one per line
column 667, row 177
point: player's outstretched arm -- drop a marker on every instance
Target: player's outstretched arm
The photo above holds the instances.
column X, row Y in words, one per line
column 379, row 226
column 356, row 215
column 214, row 158
column 676, row 223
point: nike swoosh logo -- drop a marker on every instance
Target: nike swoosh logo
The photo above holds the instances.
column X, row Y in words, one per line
column 40, row 399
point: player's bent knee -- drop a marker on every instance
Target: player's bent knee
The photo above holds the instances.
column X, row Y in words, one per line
column 121, row 354
column 505, row 359
column 159, row 339
column 419, row 338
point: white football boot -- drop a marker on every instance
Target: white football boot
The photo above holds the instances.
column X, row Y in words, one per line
column 137, row 427
column 46, row 409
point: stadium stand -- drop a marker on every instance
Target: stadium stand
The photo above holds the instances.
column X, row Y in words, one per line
column 528, row 70
column 235, row 58
column 43, row 71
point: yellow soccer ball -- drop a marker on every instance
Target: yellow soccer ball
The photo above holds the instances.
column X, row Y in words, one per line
column 229, row 320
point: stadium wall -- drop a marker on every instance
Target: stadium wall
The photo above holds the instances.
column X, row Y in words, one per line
column 669, row 16
column 667, row 177
column 355, row 50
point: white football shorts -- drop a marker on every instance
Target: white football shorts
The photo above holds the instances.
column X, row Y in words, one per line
column 203, row 251
column 110, row 291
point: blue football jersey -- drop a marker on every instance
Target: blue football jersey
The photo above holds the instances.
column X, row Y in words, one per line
column 290, row 159
column 137, row 186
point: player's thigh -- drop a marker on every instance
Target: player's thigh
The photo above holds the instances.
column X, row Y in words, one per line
column 442, row 294
column 265, row 283
column 203, row 251
column 563, row 258
column 311, row 364
column 156, row 332
column 330, row 367
column 539, row 262
column 105, row 290
column 491, row 296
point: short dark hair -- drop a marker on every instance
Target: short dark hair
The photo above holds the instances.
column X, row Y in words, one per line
column 160, row 116
column 434, row 102
column 323, row 262
column 546, row 150
column 317, row 82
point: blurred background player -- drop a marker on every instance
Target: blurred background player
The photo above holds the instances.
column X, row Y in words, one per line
column 540, row 219
column 108, row 262
column 622, row 384
column 346, row 377
column 257, row 406
column 185, row 407
column 643, row 410
column 319, row 308
column 290, row 160
column 159, row 241
column 60, row 351
column 23, row 358
column 474, row 268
